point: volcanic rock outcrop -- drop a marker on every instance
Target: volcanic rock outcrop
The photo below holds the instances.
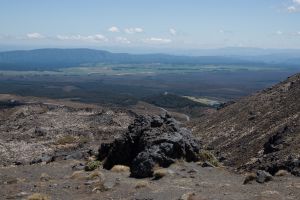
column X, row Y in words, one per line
column 150, row 142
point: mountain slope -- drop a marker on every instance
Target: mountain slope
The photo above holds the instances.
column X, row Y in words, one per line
column 260, row 131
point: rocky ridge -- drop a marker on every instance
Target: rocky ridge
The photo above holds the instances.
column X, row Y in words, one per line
column 261, row 131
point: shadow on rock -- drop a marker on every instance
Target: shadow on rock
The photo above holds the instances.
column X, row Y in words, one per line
column 149, row 142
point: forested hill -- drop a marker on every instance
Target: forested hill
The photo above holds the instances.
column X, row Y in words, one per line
column 42, row 59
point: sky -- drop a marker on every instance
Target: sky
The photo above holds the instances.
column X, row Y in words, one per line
column 150, row 24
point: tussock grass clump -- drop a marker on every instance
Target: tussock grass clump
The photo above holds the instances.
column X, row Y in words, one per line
column 67, row 139
column 207, row 156
column 79, row 175
column 38, row 196
column 282, row 173
column 141, row 184
column 83, row 139
column 249, row 178
column 95, row 175
column 92, row 165
column 120, row 168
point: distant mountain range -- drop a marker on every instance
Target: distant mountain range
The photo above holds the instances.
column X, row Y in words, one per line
column 51, row 59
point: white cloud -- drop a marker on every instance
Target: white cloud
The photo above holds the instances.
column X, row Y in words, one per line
column 122, row 40
column 35, row 36
column 292, row 9
column 133, row 30
column 173, row 31
column 154, row 40
column 296, row 1
column 295, row 7
column 279, row 32
column 114, row 29
column 89, row 38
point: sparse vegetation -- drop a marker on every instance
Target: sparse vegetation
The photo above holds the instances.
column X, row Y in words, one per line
column 249, row 178
column 95, row 174
column 38, row 196
column 282, row 173
column 78, row 175
column 83, row 139
column 67, row 139
column 120, row 168
column 141, row 184
column 207, row 156
column 92, row 165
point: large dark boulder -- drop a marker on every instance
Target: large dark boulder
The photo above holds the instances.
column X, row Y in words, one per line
column 149, row 142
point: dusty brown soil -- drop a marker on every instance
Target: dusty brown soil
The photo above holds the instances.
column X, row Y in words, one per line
column 182, row 179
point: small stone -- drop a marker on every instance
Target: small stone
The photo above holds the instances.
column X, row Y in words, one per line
column 45, row 177
column 263, row 176
column 192, row 171
column 78, row 166
column 43, row 159
column 11, row 181
column 74, row 156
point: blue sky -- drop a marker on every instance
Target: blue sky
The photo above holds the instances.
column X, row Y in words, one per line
column 158, row 24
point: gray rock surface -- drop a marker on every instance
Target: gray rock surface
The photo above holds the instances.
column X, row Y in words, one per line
column 263, row 176
column 150, row 141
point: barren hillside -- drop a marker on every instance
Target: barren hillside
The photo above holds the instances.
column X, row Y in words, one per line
column 259, row 131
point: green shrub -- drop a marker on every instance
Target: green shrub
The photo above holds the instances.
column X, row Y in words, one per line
column 92, row 165
column 206, row 156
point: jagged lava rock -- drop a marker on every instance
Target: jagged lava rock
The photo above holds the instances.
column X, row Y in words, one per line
column 150, row 141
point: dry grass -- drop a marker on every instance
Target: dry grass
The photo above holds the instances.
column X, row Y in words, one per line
column 95, row 174
column 67, row 139
column 282, row 173
column 38, row 196
column 120, row 168
column 206, row 156
column 249, row 178
column 79, row 175
column 141, row 184
column 83, row 139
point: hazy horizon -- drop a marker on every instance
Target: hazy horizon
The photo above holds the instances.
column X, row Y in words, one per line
column 155, row 26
